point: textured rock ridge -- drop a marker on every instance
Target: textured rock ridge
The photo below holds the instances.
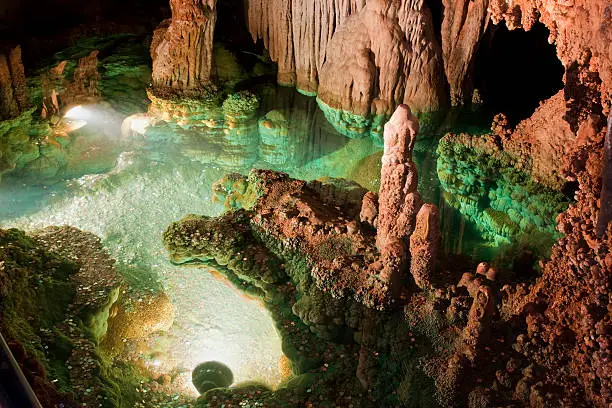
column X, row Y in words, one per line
column 399, row 201
column 464, row 23
column 424, row 245
column 13, row 90
column 182, row 60
column 363, row 59
column 60, row 92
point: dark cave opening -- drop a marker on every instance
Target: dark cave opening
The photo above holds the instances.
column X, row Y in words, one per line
column 516, row 70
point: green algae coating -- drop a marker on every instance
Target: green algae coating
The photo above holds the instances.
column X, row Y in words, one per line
column 353, row 125
column 35, row 291
column 37, row 294
column 20, row 141
column 240, row 105
column 501, row 200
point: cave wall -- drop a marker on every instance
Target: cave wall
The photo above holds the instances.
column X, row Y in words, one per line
column 463, row 25
column 579, row 29
column 13, row 89
column 182, row 50
column 360, row 58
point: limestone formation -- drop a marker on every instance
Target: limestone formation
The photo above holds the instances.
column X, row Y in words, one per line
column 464, row 23
column 545, row 139
column 399, row 200
column 581, row 29
column 477, row 332
column 605, row 212
column 182, row 60
column 13, row 90
column 388, row 62
column 424, row 245
column 309, row 41
column 369, row 209
column 60, row 92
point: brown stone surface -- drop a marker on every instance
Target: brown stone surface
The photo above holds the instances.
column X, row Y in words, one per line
column 182, row 60
column 60, row 93
column 424, row 245
column 296, row 34
column 338, row 50
column 580, row 29
column 464, row 23
column 546, row 139
column 13, row 89
column 399, row 200
column 570, row 329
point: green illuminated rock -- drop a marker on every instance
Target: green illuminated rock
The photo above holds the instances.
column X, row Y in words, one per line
column 240, row 105
column 480, row 180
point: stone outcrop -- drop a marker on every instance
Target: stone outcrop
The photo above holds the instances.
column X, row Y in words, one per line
column 13, row 89
column 545, row 139
column 374, row 73
column 60, row 92
column 424, row 245
column 393, row 55
column 464, row 23
column 182, row 60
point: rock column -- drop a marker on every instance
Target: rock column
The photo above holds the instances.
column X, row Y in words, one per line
column 399, row 201
column 182, row 62
column 464, row 24
column 424, row 245
column 13, row 92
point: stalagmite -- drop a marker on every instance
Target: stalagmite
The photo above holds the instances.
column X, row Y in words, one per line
column 182, row 60
column 424, row 245
column 399, row 200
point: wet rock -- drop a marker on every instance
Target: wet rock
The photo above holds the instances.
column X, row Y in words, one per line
column 182, row 60
column 399, row 201
column 13, row 89
column 424, row 245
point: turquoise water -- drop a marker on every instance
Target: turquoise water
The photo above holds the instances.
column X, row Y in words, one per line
column 128, row 188
column 159, row 180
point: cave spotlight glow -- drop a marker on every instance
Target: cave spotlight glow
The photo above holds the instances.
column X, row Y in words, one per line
column 78, row 112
